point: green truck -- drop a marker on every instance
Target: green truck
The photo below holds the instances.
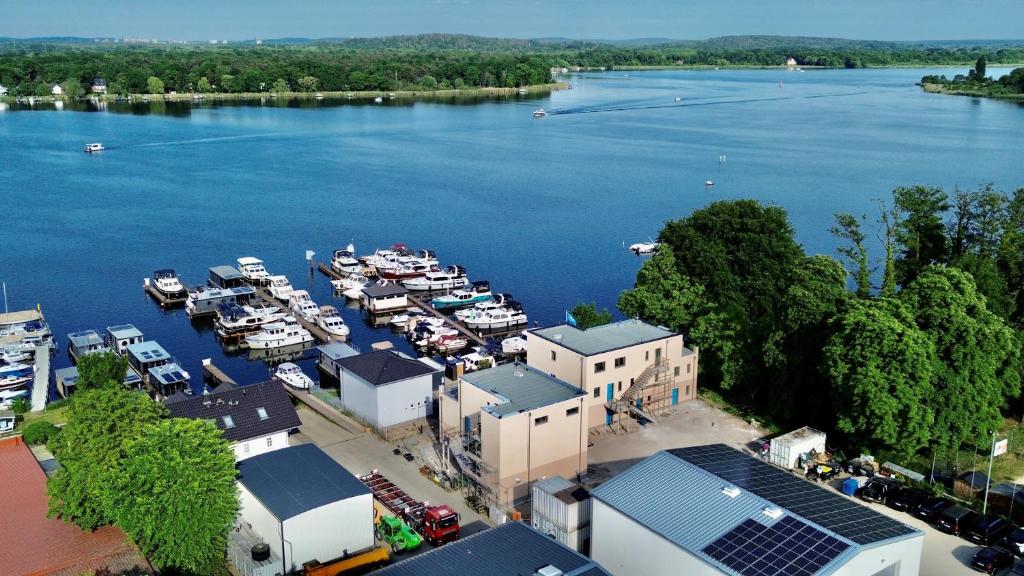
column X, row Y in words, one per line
column 397, row 534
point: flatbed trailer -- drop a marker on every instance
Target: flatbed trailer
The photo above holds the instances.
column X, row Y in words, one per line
column 438, row 524
column 391, row 496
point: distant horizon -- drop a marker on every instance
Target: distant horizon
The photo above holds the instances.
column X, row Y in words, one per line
column 611, row 20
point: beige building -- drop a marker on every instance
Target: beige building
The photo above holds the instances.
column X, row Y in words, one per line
column 513, row 424
column 627, row 369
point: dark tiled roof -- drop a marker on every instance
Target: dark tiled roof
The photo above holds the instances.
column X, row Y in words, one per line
column 511, row 549
column 376, row 290
column 242, row 405
column 384, row 366
column 36, row 544
column 294, row 480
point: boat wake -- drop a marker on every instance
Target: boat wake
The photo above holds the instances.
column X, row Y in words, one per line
column 698, row 101
column 213, row 140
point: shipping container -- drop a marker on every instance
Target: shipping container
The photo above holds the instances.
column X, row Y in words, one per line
column 578, row 539
column 562, row 508
column 785, row 450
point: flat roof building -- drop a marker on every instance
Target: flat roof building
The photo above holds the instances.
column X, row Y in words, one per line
column 511, row 549
column 714, row 510
column 630, row 369
column 385, row 298
column 515, row 425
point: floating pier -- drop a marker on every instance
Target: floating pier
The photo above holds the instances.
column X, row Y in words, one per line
column 162, row 298
column 315, row 330
column 41, row 383
column 215, row 375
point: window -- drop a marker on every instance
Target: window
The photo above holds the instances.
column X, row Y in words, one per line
column 687, row 368
column 262, row 413
column 620, row 361
column 647, row 356
column 572, row 411
column 687, row 390
column 229, row 422
column 620, row 385
column 270, row 441
column 597, row 392
column 552, row 355
column 676, row 372
column 541, row 420
column 599, row 367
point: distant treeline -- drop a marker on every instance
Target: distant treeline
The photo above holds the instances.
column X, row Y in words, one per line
column 425, row 62
column 977, row 82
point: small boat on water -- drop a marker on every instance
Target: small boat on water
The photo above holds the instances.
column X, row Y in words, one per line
column 345, row 262
column 287, row 332
column 378, row 99
column 679, row 99
column 709, row 183
column 293, row 376
column 329, row 320
column 319, row 96
column 498, row 301
column 513, row 346
column 94, row 147
column 349, row 282
column 643, row 248
column 450, row 278
column 507, row 317
column 479, row 291
column 280, row 287
column 539, row 113
column 303, row 305
column 451, row 343
column 252, row 269
column 166, row 282
column 402, row 320
column 234, row 320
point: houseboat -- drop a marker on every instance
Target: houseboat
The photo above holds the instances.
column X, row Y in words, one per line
column 67, row 379
column 480, row 291
column 280, row 287
column 329, row 320
column 345, row 262
column 287, row 332
column 162, row 373
column 120, row 337
column 382, row 297
column 253, row 270
column 85, row 342
column 293, row 376
column 167, row 283
column 225, row 277
column 204, row 301
column 450, row 278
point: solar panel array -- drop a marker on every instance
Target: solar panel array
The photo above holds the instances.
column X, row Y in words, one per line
column 823, row 507
column 789, row 547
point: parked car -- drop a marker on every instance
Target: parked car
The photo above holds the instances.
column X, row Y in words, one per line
column 907, row 499
column 988, row 530
column 1015, row 541
column 397, row 534
column 823, row 472
column 878, row 489
column 956, row 520
column 930, row 509
column 992, row 559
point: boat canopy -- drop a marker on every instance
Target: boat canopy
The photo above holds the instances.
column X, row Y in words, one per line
column 165, row 273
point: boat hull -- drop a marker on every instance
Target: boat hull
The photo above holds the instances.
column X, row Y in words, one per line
column 267, row 344
column 435, row 286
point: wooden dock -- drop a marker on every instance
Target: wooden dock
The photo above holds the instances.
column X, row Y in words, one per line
column 315, row 330
column 161, row 298
column 41, row 383
column 426, row 307
column 215, row 375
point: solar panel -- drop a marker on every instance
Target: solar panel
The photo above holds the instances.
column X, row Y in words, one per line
column 829, row 510
column 788, row 547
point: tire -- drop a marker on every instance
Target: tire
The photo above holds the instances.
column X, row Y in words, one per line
column 378, row 535
column 396, row 548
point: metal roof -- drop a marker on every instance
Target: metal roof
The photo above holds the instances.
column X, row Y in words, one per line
column 297, row 479
column 603, row 338
column 85, row 338
column 378, row 291
column 337, row 350
column 149, row 351
column 67, row 375
column 521, row 387
column 226, row 272
column 511, row 549
column 384, row 366
column 123, row 331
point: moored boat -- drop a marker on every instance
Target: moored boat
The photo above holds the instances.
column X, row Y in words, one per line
column 166, row 282
column 451, row 343
column 280, row 287
column 253, row 270
column 450, row 278
column 345, row 261
column 292, row 375
column 301, row 304
column 497, row 301
column 479, row 291
column 507, row 317
column 235, row 320
column 330, row 321
column 513, row 346
column 287, row 332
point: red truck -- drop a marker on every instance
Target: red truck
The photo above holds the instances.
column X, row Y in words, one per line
column 437, row 524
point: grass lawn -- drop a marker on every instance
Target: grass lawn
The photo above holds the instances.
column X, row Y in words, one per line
column 57, row 416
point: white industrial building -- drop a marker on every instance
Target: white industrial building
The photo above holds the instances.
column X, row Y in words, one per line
column 386, row 387
column 304, row 505
column 712, row 510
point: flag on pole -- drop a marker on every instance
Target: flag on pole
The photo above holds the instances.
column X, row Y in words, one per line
column 569, row 318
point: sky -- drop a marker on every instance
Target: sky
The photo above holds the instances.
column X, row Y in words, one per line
column 581, row 19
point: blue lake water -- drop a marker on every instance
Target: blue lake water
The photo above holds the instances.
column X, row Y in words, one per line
column 541, row 208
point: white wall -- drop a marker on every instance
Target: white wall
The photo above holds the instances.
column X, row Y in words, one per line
column 873, row 560
column 263, row 523
column 405, row 400
column 626, row 548
column 256, row 446
column 359, row 396
column 326, row 532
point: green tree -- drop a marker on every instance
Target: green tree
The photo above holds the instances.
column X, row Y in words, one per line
column 587, row 316
column 154, row 85
column 888, row 219
column 978, row 220
column 101, row 371
column 978, row 355
column 979, row 72
column 848, row 228
column 90, row 449
column 43, row 89
column 990, row 283
column 175, row 495
column 920, row 235
column 203, row 85
column 39, row 432
column 308, row 83
column 280, row 86
column 880, row 366
column 72, row 88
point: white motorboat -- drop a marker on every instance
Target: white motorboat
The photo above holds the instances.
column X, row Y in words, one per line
column 166, row 282
column 349, row 282
column 233, row 319
column 425, row 335
column 643, row 248
column 278, row 334
column 539, row 113
column 280, row 287
column 329, row 320
column 709, row 183
column 13, row 354
column 378, row 99
column 293, row 376
column 513, row 346
column 450, row 278
column 307, row 309
column 498, row 301
column 679, row 98
column 494, row 319
column 451, row 343
column 355, row 293
column 402, row 320
column 7, row 397
column 15, row 375
column 252, row 269
column 94, row 147
column 477, row 359
column 345, row 261
column 415, row 323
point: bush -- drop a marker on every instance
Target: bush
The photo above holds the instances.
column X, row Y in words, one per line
column 57, row 404
column 20, row 405
column 39, row 432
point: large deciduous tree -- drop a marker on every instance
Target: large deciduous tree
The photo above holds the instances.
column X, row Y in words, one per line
column 154, row 85
column 847, row 228
column 881, row 367
column 176, row 495
column 920, row 234
column 100, row 371
column 588, row 316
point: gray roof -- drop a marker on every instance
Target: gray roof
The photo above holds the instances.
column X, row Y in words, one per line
column 147, row 352
column 337, row 350
column 124, row 331
column 67, row 375
column 384, row 366
column 523, row 388
column 377, row 291
column 604, row 338
column 295, row 480
column 226, row 272
column 85, row 338
column 242, row 404
column 511, row 549
column 169, row 373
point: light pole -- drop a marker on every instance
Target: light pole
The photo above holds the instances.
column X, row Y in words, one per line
column 988, row 479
